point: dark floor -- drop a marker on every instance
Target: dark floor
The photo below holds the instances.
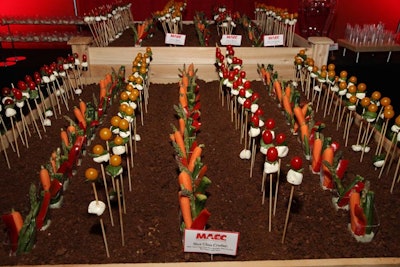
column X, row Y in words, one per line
column 372, row 68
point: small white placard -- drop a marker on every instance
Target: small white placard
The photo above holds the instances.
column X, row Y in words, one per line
column 231, row 39
column 175, row 39
column 334, row 47
column 211, row 242
column 273, row 40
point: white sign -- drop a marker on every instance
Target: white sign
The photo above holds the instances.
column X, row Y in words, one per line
column 333, row 47
column 175, row 39
column 231, row 39
column 211, row 242
column 273, row 40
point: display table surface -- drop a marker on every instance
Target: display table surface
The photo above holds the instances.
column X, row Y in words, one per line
column 367, row 48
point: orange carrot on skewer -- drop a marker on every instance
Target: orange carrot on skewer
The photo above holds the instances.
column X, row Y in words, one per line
column 190, row 70
column 183, row 100
column 305, row 137
column 82, row 106
column 327, row 156
column 64, row 137
column 182, row 126
column 53, row 162
column 192, row 161
column 278, row 90
column 185, row 181
column 181, row 145
column 298, row 113
column 185, row 80
column 45, row 178
column 316, row 154
column 80, row 117
column 184, row 203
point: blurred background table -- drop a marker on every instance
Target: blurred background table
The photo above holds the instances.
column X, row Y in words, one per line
column 367, row 48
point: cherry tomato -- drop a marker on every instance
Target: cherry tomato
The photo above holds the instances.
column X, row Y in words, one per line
column 270, row 123
column 331, row 66
column 105, row 134
column 272, row 154
column 388, row 114
column 123, row 125
column 129, row 111
column 342, row 85
column 247, row 104
column 255, row 120
column 296, row 163
column 255, row 97
column 259, row 112
column 247, row 85
column 353, row 79
column 267, row 136
column 118, row 140
column 115, row 160
column 385, row 101
column 5, row 91
column 365, row 102
column 343, row 74
column 352, row 89
column 280, row 138
column 397, row 121
column 376, row 95
column 372, row 108
column 242, row 92
column 115, row 120
column 98, row 149
column 124, row 96
column 91, row 174
column 361, row 87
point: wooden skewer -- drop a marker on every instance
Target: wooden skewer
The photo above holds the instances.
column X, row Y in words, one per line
column 277, row 187
column 121, row 222
column 253, row 155
column 395, row 176
column 5, row 130
column 128, row 167
column 104, row 237
column 15, row 136
column 123, row 193
column 107, row 195
column 394, row 145
column 393, row 154
column 270, row 204
column 287, row 214
column 3, row 147
column 34, row 121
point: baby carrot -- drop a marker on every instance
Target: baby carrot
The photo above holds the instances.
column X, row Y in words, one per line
column 181, row 144
column 327, row 155
column 286, row 105
column 192, row 161
column 82, row 106
column 298, row 113
column 79, row 116
column 184, row 203
column 316, row 155
column 185, row 80
column 182, row 126
column 191, row 70
column 44, row 178
column 185, row 181
column 64, row 137
column 278, row 89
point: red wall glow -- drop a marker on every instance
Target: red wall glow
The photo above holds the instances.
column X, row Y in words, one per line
column 349, row 11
